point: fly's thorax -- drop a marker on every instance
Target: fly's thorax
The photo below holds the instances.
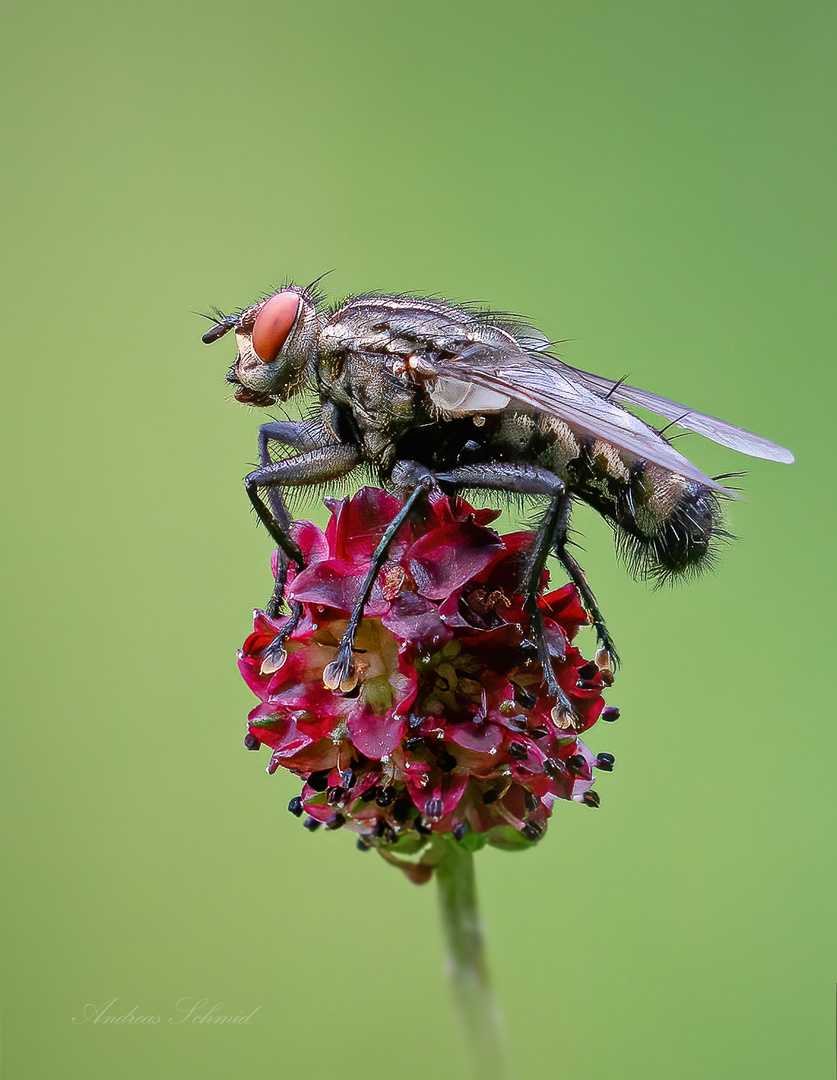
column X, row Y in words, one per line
column 378, row 407
column 402, row 325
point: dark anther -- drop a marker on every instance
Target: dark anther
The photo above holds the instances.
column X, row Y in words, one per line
column 519, row 751
column 335, row 795
column 605, row 762
column 532, row 830
column 414, row 743
column 524, row 699
column 401, row 808
column 538, row 732
column 251, row 742
column 446, row 762
column 318, row 781
column 609, row 714
column 421, row 827
column 295, row 806
column 490, row 796
column 385, row 796
column 312, row 824
column 369, row 794
column 589, row 671
column 335, row 821
column 435, row 808
column 590, row 798
column 363, row 844
column 460, row 830
column 520, row 722
column 576, row 764
column 554, row 767
column 532, row 801
column 347, row 778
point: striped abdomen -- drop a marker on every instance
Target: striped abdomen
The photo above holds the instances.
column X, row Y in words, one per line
column 665, row 524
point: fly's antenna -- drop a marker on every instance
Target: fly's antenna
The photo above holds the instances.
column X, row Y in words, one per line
column 222, row 324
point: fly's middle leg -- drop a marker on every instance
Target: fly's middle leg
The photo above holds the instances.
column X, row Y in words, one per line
column 551, row 533
column 525, row 479
column 341, row 673
column 588, row 598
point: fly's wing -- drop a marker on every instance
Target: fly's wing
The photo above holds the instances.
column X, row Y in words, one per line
column 711, row 427
column 543, row 387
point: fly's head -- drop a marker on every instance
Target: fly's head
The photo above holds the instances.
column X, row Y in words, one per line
column 276, row 338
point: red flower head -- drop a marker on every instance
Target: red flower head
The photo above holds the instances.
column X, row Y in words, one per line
column 448, row 729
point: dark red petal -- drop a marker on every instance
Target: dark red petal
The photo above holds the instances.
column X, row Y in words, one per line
column 333, row 583
column 438, row 798
column 311, row 540
column 357, row 524
column 480, row 738
column 415, row 619
column 443, row 560
column 376, row 736
column 565, row 608
column 444, row 511
column 336, row 584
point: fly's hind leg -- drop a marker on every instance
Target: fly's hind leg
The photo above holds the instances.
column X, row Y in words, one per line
column 551, row 532
column 529, row 480
column 588, row 598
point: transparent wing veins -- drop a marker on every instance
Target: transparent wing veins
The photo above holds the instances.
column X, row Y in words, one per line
column 545, row 388
column 719, row 431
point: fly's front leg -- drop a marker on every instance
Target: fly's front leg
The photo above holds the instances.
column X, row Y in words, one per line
column 310, row 467
column 294, row 433
column 341, row 673
column 299, row 436
column 529, row 480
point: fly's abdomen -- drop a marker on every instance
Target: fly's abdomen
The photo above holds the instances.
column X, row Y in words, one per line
column 666, row 526
column 673, row 531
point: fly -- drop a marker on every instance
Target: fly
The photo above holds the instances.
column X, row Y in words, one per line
column 435, row 396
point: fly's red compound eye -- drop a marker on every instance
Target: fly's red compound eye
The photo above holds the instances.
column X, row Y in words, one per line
column 273, row 324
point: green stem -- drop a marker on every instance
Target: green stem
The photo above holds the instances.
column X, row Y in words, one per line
column 466, row 963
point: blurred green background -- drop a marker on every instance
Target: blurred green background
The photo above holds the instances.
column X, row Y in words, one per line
column 650, row 180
